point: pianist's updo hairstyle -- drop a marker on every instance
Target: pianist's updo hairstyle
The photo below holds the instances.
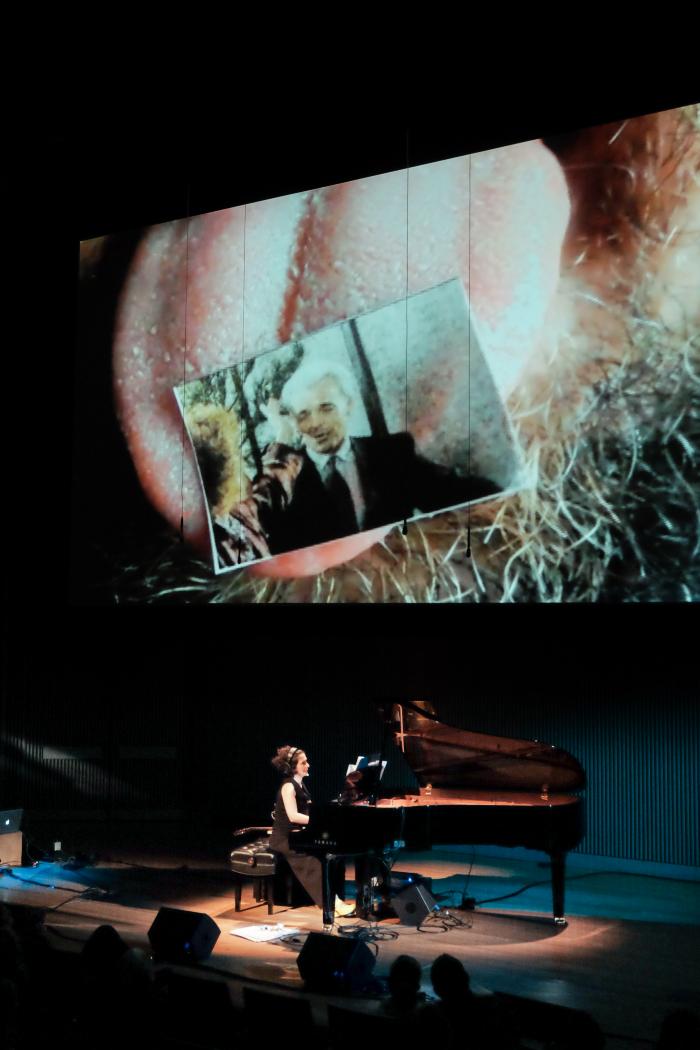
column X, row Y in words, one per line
column 285, row 761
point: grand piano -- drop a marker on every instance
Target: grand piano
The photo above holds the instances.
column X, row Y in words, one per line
column 473, row 788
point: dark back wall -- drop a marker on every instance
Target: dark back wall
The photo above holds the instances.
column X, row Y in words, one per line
column 170, row 730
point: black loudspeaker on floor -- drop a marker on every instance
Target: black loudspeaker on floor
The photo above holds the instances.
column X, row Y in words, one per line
column 182, row 936
column 413, row 905
column 339, row 964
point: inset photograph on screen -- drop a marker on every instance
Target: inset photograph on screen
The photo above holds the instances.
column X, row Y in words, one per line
column 332, row 434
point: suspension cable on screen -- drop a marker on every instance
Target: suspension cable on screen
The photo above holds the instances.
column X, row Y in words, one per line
column 404, row 528
column 184, row 366
column 469, row 353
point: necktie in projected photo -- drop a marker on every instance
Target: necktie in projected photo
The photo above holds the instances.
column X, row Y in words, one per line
column 339, row 491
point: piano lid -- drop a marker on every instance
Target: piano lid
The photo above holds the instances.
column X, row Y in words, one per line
column 447, row 757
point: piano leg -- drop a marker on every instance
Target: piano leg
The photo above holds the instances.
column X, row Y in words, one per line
column 363, row 887
column 328, row 890
column 558, row 861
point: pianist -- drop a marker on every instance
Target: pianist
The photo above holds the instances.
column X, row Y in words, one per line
column 292, row 812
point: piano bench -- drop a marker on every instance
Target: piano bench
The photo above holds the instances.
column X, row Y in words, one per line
column 271, row 875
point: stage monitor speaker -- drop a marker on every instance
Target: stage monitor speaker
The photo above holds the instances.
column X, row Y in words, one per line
column 103, row 948
column 413, row 905
column 334, row 964
column 182, row 936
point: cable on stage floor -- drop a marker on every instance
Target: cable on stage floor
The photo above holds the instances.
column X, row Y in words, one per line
column 96, row 891
column 370, row 934
column 572, row 878
column 442, row 921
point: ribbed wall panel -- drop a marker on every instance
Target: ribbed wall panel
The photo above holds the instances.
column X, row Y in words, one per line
column 87, row 780
column 642, row 760
column 95, row 756
column 147, row 783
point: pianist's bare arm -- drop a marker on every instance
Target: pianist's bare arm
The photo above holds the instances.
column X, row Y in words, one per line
column 290, row 805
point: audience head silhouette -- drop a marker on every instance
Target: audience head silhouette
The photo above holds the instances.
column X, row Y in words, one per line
column 450, row 979
column 404, row 979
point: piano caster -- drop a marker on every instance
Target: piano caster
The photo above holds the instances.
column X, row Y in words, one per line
column 559, row 920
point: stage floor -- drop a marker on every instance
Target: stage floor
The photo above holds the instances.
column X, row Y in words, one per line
column 629, row 953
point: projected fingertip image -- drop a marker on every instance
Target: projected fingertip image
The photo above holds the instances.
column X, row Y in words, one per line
column 472, row 380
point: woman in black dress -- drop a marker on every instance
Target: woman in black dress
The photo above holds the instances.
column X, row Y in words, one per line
column 290, row 813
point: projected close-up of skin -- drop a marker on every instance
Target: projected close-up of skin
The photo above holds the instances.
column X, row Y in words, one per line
column 580, row 259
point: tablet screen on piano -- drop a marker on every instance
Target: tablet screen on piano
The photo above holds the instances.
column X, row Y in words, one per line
column 361, row 779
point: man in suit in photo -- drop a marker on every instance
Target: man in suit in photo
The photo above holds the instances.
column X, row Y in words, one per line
column 337, row 484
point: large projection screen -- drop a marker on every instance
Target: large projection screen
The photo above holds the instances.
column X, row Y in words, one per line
column 474, row 380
